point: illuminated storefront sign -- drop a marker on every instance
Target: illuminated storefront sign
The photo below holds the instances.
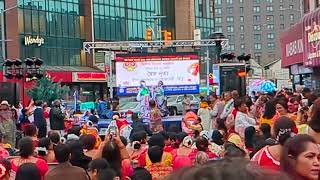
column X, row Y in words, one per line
column 89, row 77
column 29, row 40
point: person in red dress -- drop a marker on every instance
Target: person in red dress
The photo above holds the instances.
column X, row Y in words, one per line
column 202, row 144
column 158, row 170
column 26, row 156
column 269, row 156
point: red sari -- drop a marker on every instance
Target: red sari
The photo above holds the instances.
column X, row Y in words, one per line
column 40, row 163
column 265, row 159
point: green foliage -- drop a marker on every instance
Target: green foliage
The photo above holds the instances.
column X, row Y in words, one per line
column 47, row 90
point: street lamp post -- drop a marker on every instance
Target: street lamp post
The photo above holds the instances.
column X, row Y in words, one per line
column 218, row 49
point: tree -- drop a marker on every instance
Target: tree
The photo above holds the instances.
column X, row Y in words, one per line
column 47, row 90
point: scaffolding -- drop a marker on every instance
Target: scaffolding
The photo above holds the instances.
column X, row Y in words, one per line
column 109, row 47
column 130, row 45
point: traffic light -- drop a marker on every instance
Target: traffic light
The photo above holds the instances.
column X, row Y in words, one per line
column 244, row 57
column 148, row 34
column 167, row 36
column 228, row 56
column 242, row 73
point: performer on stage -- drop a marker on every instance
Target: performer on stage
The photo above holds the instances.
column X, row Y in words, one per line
column 144, row 97
column 159, row 97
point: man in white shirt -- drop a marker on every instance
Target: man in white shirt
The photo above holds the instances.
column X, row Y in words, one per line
column 242, row 119
column 228, row 106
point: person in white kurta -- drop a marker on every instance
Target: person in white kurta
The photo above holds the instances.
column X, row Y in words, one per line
column 242, row 119
column 205, row 114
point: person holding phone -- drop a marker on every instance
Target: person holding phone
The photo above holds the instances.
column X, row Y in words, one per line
column 114, row 151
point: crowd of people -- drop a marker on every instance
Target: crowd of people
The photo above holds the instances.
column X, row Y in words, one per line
column 263, row 136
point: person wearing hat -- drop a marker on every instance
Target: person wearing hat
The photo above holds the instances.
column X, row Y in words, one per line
column 7, row 124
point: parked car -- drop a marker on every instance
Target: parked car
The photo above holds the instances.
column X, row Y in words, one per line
column 174, row 104
column 127, row 109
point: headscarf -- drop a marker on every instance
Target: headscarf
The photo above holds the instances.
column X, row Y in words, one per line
column 187, row 142
column 204, row 105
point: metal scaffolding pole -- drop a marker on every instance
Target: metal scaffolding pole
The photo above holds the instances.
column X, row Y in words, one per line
column 110, row 47
column 130, row 45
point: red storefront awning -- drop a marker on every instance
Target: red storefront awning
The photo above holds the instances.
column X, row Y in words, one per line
column 292, row 45
column 311, row 39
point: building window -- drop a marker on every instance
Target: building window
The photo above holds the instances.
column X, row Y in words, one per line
column 270, row 26
column 257, row 37
column 241, row 10
column 257, row 27
column 269, row 8
column 281, row 26
column 218, row 20
column 256, row 9
column 241, row 19
column 257, row 55
column 242, row 46
column 218, row 11
column 270, row 18
column 230, row 10
column 230, row 37
column 241, row 28
column 271, row 46
column 59, row 24
column 256, row 1
column 270, row 36
column 270, row 1
column 217, row 2
column 256, row 18
column 240, row 1
column 218, row 29
column 231, row 47
column 291, row 7
column 257, row 46
column 230, row 29
column 281, row 17
column 281, row 7
column 291, row 17
column 229, row 2
column 230, row 19
column 241, row 37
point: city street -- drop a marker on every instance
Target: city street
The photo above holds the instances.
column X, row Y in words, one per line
column 160, row 89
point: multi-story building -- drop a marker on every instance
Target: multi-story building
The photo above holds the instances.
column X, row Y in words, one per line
column 300, row 47
column 64, row 25
column 253, row 26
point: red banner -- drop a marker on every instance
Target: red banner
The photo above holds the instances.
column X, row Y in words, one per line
column 292, row 45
